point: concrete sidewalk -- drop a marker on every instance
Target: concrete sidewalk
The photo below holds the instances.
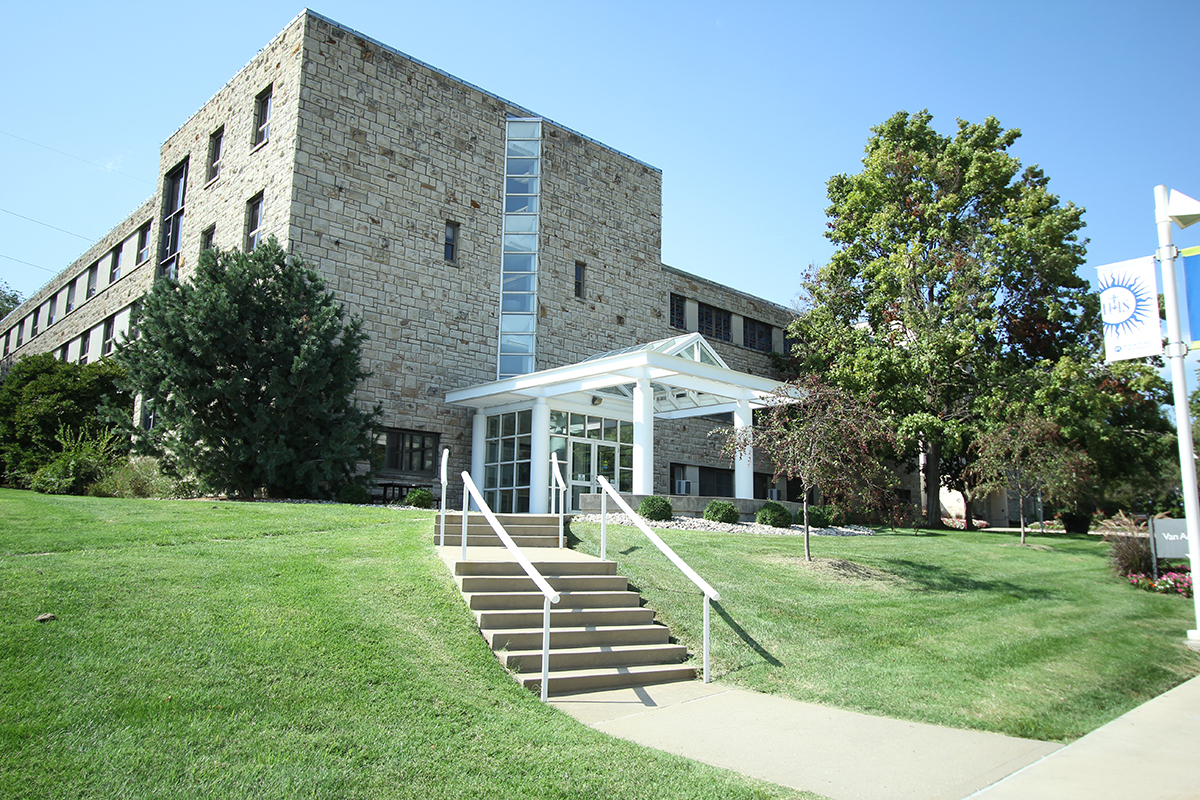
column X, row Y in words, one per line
column 840, row 754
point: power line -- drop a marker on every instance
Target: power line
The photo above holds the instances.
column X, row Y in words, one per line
column 77, row 158
column 47, row 224
column 26, row 263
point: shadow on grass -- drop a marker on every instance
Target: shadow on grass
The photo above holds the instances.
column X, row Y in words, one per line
column 931, row 577
column 746, row 637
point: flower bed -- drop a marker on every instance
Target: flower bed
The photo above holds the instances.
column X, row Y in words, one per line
column 1176, row 582
column 961, row 524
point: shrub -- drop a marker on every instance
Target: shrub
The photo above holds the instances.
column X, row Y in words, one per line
column 140, row 476
column 655, row 508
column 721, row 511
column 774, row 515
column 419, row 498
column 353, row 494
column 84, row 459
column 1128, row 552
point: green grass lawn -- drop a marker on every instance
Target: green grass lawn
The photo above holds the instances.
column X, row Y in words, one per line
column 250, row 650
column 962, row 629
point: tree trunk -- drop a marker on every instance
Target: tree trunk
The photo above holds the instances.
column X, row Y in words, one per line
column 1022, row 502
column 933, row 484
column 807, row 552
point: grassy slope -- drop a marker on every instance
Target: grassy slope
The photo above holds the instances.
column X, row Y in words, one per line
column 960, row 629
column 272, row 650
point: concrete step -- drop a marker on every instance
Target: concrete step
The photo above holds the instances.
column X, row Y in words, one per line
column 509, row 618
column 482, row 601
column 546, row 567
column 490, row 539
column 561, row 583
column 571, row 681
column 528, row 661
column 587, row 636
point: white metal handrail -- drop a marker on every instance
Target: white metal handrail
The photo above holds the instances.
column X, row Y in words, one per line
column 445, row 460
column 709, row 592
column 558, row 494
column 548, row 592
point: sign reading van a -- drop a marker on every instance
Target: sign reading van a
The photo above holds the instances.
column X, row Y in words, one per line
column 1170, row 538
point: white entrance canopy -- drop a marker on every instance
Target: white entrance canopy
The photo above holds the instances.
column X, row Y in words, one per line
column 669, row 379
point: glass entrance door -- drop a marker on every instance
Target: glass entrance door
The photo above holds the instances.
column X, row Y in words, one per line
column 589, row 459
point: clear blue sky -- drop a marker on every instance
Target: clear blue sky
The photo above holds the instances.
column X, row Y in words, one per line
column 748, row 108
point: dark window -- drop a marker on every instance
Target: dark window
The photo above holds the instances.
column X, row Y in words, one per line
column 7, row 334
column 756, row 335
column 93, row 275
column 62, row 353
column 135, row 311
column 114, row 269
column 147, row 420
column 678, row 311
column 715, row 323
column 206, row 238
column 254, row 222
column 70, row 297
column 110, row 330
column 51, row 309
column 143, row 243
column 37, row 313
column 20, row 333
column 451, row 241
column 174, row 195
column 84, row 343
column 580, row 275
column 214, row 153
column 762, row 485
column 262, row 117
column 411, row 451
column 716, row 482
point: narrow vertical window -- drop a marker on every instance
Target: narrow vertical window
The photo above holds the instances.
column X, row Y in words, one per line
column 70, row 297
column 143, row 243
column 33, row 328
column 262, row 117
column 254, row 219
column 20, row 333
column 451, row 241
column 580, row 273
column 84, row 341
column 114, row 268
column 174, row 195
column 756, row 335
column 214, row 154
column 62, row 353
column 678, row 311
column 51, row 309
column 7, row 334
column 110, row 329
column 93, row 275
column 207, row 236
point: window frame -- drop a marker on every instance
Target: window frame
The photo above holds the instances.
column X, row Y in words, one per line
column 93, row 280
column 756, row 335
column 452, row 241
column 143, row 244
column 114, row 267
column 171, row 236
column 401, row 445
column 580, row 280
column 261, row 134
column 254, row 222
column 207, row 237
column 677, row 311
column 714, row 323
column 216, row 141
column 108, row 335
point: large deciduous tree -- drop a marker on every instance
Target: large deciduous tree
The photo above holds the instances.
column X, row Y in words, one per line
column 955, row 270
column 9, row 299
column 251, row 369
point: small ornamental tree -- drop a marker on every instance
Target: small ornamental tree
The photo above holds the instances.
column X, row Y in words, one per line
column 251, row 370
column 821, row 436
column 1029, row 458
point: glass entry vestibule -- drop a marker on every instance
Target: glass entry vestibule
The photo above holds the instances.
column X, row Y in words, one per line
column 597, row 416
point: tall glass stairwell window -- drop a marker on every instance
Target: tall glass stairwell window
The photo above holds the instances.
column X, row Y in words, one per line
column 518, row 280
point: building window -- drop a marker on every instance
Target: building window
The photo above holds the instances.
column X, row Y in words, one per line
column 143, row 243
column 507, row 461
column 62, row 353
column 580, row 275
column 174, row 195
column 33, row 328
column 207, row 236
column 135, row 311
column 93, row 275
column 413, row 452
column 20, row 333
column 756, row 335
column 254, row 219
column 114, row 268
column 715, row 323
column 110, row 330
column 519, row 259
column 70, row 297
column 262, row 117
column 7, row 334
column 84, row 341
column 51, row 308
column 451, row 241
column 678, row 311
column 147, row 416
column 214, row 154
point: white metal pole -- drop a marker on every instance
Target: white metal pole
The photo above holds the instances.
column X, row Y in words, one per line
column 466, row 506
column 603, row 524
column 706, row 614
column 1176, row 351
column 545, row 649
column 445, row 459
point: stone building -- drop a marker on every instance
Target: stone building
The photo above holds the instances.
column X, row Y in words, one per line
column 480, row 243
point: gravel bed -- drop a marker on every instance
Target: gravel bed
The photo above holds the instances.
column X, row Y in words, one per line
column 701, row 524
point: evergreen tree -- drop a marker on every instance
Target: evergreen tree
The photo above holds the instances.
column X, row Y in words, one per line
column 10, row 298
column 250, row 370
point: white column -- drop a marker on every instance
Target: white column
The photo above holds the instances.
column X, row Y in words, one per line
column 643, row 437
column 539, row 467
column 478, row 449
column 743, row 467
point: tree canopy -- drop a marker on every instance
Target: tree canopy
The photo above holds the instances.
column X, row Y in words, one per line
column 9, row 299
column 251, row 369
column 955, row 273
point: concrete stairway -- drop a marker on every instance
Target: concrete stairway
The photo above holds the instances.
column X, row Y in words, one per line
column 527, row 530
column 601, row 637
